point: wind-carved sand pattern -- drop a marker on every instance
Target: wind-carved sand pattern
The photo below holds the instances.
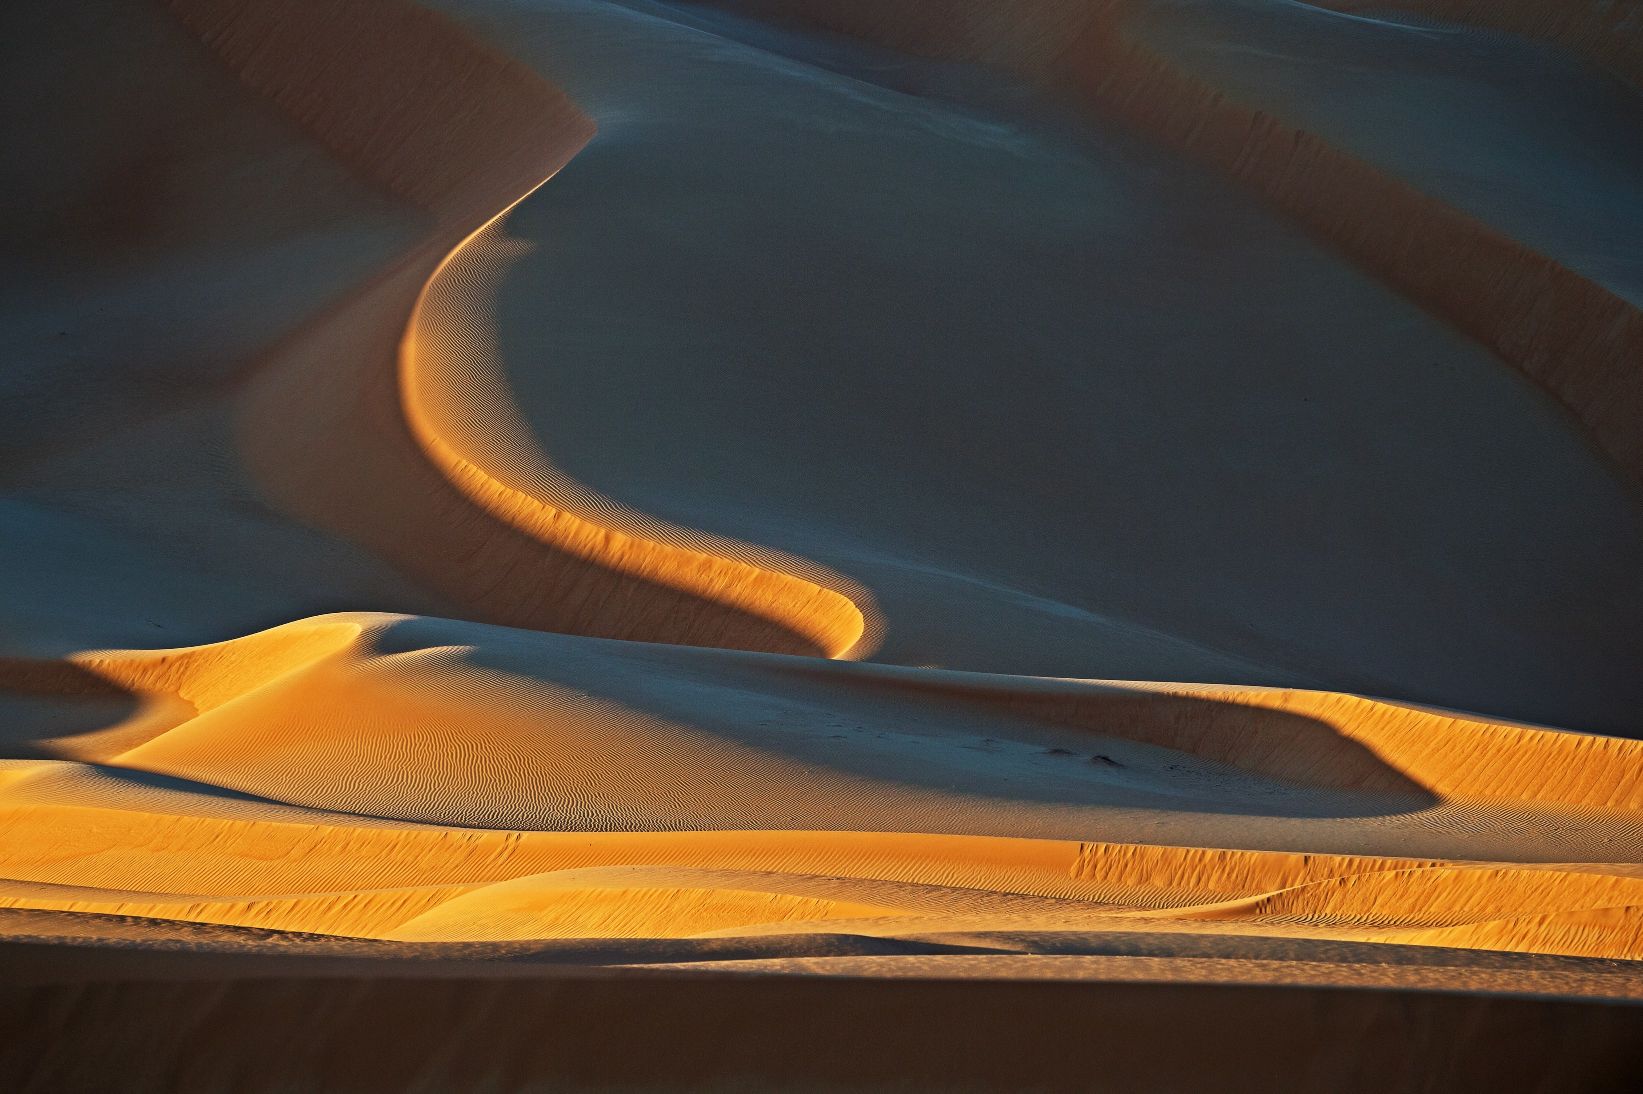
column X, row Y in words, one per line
column 458, row 409
column 601, row 799
column 548, row 565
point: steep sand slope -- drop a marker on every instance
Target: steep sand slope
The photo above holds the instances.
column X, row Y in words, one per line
column 424, row 144
column 457, row 408
column 1570, row 334
column 439, row 154
column 597, row 512
column 1053, row 510
column 471, row 136
column 164, row 228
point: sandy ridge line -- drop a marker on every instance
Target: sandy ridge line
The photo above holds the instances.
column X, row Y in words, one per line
column 459, row 131
column 1335, row 741
column 445, row 362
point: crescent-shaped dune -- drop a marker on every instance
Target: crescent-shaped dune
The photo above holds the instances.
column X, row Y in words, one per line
column 456, row 407
column 468, row 106
column 945, row 545
column 486, row 729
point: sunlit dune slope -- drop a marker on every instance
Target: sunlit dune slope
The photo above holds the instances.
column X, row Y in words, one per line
column 457, row 406
column 624, row 790
column 471, row 136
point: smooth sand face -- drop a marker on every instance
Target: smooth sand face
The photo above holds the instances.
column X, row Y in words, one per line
column 1062, row 517
column 501, row 494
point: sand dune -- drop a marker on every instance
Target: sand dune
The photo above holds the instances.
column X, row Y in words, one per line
column 1570, row 334
column 791, row 801
column 456, row 406
column 971, row 563
column 663, row 543
column 473, row 108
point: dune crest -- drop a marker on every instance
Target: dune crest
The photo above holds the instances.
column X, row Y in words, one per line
column 456, row 405
column 473, row 134
column 357, row 739
column 1610, row 32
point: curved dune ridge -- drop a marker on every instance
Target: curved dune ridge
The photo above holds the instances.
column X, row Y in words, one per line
column 465, row 717
column 457, row 407
column 468, row 106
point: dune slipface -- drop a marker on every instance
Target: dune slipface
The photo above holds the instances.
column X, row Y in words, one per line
column 589, row 543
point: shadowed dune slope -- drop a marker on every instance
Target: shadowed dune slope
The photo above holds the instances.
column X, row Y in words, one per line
column 552, row 497
column 1053, row 509
column 1609, row 32
column 1570, row 334
column 425, row 112
column 1487, row 123
column 164, row 228
column 472, row 134
column 439, row 153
